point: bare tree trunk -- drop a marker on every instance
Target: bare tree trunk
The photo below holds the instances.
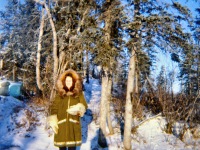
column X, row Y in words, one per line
column 55, row 53
column 128, row 106
column 136, row 82
column 103, row 108
column 103, row 104
column 109, row 95
column 136, row 91
column 131, row 80
column 38, row 78
column 87, row 68
column 62, row 62
column 1, row 64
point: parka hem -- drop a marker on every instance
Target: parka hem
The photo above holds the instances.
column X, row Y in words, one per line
column 68, row 144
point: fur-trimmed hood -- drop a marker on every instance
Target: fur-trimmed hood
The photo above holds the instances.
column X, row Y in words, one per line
column 77, row 83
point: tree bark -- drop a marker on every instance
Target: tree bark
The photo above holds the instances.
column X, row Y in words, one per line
column 55, row 53
column 38, row 78
column 136, row 91
column 1, row 64
column 105, row 77
column 87, row 68
column 128, row 106
column 103, row 104
column 131, row 79
column 109, row 95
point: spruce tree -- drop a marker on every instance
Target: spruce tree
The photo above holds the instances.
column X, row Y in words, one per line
column 197, row 49
column 107, row 50
column 19, row 28
column 153, row 23
column 189, row 65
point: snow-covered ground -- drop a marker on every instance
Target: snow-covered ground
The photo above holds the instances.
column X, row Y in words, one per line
column 23, row 127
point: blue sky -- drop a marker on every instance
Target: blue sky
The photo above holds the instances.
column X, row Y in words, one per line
column 192, row 4
column 2, row 4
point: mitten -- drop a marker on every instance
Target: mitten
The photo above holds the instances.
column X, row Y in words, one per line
column 78, row 109
column 53, row 123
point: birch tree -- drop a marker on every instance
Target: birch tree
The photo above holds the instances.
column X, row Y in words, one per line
column 38, row 77
column 130, row 81
column 55, row 51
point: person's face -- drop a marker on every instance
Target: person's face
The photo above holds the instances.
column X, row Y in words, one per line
column 68, row 81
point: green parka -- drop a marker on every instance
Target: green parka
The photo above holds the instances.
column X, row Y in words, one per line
column 69, row 126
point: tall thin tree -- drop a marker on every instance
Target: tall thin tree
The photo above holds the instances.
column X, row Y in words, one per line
column 38, row 71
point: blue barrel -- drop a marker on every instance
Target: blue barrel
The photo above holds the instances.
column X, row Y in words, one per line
column 15, row 89
column 4, row 85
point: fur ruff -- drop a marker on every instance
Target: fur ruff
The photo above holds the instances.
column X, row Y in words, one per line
column 77, row 79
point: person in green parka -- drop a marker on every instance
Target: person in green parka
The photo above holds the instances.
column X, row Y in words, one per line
column 66, row 109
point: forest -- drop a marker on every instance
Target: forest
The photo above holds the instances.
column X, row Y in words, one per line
column 114, row 41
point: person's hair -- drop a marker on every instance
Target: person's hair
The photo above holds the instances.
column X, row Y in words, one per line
column 73, row 83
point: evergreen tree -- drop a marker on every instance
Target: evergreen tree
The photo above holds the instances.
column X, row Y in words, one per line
column 28, row 42
column 190, row 63
column 161, row 81
column 10, row 29
column 19, row 28
column 197, row 49
column 153, row 23
column 107, row 51
column 74, row 20
column 197, row 27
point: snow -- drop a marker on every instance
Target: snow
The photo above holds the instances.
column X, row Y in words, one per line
column 23, row 126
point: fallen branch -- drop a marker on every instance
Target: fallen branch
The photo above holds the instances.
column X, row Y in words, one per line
column 158, row 115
